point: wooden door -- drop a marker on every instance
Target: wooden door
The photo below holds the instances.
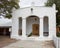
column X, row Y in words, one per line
column 35, row 28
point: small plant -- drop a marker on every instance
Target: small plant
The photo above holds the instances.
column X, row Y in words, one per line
column 30, row 34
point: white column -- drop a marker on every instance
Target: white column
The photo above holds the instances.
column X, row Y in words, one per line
column 15, row 28
column 41, row 27
column 23, row 27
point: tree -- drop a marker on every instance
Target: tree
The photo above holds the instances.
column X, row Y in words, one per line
column 6, row 7
column 57, row 2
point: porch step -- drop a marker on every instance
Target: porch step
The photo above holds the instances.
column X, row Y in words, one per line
column 30, row 38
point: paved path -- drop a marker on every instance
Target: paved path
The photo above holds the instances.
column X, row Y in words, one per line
column 31, row 44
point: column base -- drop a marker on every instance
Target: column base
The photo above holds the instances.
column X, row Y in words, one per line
column 14, row 37
column 40, row 36
column 24, row 36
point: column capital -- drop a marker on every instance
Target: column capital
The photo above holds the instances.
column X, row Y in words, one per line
column 41, row 17
column 24, row 18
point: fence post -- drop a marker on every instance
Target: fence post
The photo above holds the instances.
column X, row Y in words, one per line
column 58, row 42
column 57, row 45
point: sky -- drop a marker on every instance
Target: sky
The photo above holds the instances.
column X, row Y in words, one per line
column 27, row 3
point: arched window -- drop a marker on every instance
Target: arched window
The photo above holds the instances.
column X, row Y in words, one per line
column 46, row 26
column 20, row 26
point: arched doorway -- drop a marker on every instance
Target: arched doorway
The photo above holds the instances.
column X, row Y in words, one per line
column 32, row 26
column 45, row 26
column 20, row 26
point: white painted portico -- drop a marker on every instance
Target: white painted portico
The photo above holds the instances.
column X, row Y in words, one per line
column 40, row 12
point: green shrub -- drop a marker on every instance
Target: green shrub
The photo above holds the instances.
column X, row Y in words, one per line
column 58, row 34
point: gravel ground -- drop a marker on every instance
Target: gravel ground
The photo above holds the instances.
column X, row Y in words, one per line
column 5, row 41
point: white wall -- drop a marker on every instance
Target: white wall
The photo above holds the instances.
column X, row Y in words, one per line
column 37, row 11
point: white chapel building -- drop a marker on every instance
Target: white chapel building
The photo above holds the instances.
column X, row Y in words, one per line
column 34, row 22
